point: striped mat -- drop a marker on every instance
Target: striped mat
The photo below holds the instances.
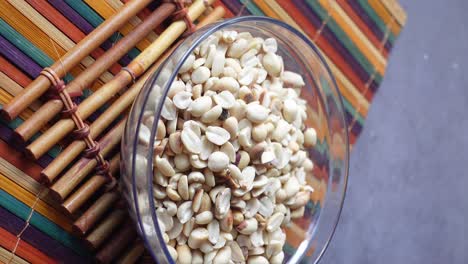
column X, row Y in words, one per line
column 355, row 37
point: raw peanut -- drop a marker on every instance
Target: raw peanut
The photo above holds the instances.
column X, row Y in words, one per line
column 244, row 159
column 197, row 91
column 176, row 87
column 247, row 75
column 182, row 100
column 172, row 252
column 200, row 105
column 184, row 213
column 169, row 110
column 212, row 115
column 272, row 64
column 198, row 63
column 197, row 257
column 163, row 165
column 181, row 162
column 182, row 187
column 213, row 231
column 274, row 222
column 191, row 141
column 222, row 255
column 222, row 203
column 228, row 149
column 229, row 36
column 257, row 260
column 197, row 237
column 204, row 218
column 185, row 254
column 225, row 99
column 218, row 161
column 205, row 203
column 249, row 59
column 230, row 72
column 292, row 79
column 248, row 226
column 238, row 48
column 270, row 45
column 310, row 137
column 257, row 113
column 217, row 135
column 231, row 125
column 200, row 75
column 187, row 64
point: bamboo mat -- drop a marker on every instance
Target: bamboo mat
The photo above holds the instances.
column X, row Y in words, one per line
column 355, row 37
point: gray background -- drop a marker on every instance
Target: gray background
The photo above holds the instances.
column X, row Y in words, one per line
column 407, row 199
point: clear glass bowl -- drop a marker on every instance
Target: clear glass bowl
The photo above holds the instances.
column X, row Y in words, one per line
column 309, row 236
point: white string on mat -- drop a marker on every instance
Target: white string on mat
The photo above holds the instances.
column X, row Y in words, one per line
column 41, row 192
column 374, row 71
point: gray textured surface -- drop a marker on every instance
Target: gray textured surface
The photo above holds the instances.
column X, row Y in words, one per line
column 407, row 197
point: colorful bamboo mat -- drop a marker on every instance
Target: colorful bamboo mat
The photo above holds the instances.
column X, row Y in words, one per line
column 355, row 37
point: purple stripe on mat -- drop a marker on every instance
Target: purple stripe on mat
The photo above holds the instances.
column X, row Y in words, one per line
column 337, row 45
column 37, row 239
column 6, row 134
column 369, row 22
column 18, row 58
column 83, row 25
column 235, row 7
column 357, row 128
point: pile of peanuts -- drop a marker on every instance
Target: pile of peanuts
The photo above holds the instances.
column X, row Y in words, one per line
column 230, row 155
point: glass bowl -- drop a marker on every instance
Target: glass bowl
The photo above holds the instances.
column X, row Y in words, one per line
column 307, row 237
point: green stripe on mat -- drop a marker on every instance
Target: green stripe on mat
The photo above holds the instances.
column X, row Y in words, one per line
column 377, row 19
column 252, row 7
column 345, row 40
column 349, row 107
column 43, row 224
column 95, row 20
column 26, row 46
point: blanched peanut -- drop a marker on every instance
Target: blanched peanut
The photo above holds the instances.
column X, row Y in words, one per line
column 230, row 165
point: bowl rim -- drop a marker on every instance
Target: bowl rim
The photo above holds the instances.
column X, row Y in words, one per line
column 209, row 30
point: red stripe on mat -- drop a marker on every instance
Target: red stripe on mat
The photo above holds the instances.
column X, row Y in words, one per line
column 363, row 26
column 228, row 13
column 326, row 47
column 14, row 73
column 24, row 250
column 19, row 161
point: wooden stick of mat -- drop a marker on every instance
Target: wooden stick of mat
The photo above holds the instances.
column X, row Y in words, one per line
column 97, row 210
column 89, row 75
column 80, row 196
column 94, row 213
column 40, row 85
column 117, row 243
column 95, row 239
column 13, row 88
column 42, row 32
column 133, row 253
column 78, row 172
column 73, row 150
column 137, row 67
column 67, row 155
